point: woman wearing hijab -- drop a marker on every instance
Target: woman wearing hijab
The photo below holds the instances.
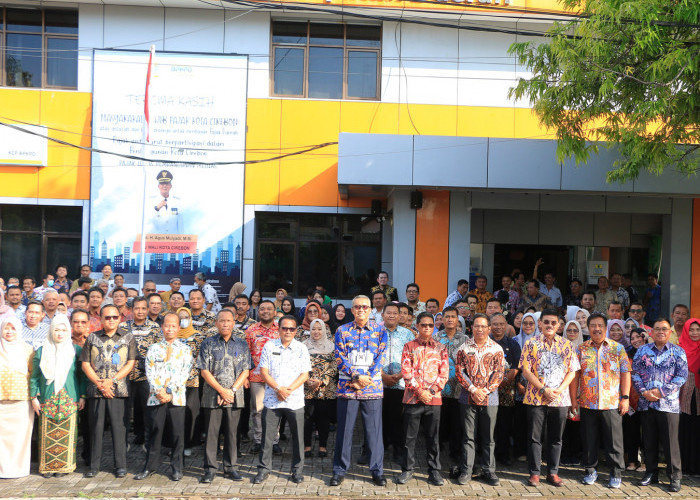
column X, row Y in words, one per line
column 58, row 386
column 236, row 290
column 16, row 415
column 631, row 422
column 689, row 427
column 280, row 294
column 342, row 315
column 528, row 328
column 327, row 318
column 193, row 339
column 582, row 318
column 288, row 307
column 616, row 332
column 312, row 312
column 319, row 389
column 571, row 448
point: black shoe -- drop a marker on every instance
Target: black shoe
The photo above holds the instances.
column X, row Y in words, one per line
column 336, row 480
column 207, row 477
column 404, row 477
column 379, row 479
column 308, row 454
column 90, row 473
column 239, row 454
column 363, row 460
column 47, row 475
column 490, row 478
column 283, row 437
column 139, row 440
column 435, row 478
column 233, row 475
column 322, row 454
column 143, row 475
column 649, row 478
column 255, row 448
column 297, row 478
column 260, row 477
column 464, row 477
column 675, row 486
column 120, row 473
column 176, row 476
column 276, row 450
column 60, row 474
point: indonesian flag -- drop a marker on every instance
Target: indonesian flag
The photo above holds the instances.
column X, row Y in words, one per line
column 146, row 103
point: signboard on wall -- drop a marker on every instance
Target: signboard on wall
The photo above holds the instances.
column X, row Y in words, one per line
column 18, row 147
column 190, row 166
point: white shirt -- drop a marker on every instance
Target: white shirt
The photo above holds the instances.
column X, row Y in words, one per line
column 285, row 364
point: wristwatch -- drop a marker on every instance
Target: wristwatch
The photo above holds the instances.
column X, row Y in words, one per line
column 624, row 397
column 541, row 391
column 431, row 391
column 168, row 390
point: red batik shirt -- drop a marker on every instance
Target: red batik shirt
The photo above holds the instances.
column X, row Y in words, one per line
column 424, row 366
column 257, row 336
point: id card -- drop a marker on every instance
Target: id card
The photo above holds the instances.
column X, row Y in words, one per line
column 361, row 360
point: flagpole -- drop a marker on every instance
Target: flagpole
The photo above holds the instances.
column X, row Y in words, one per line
column 147, row 138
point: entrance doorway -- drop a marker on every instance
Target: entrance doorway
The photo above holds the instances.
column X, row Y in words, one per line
column 558, row 259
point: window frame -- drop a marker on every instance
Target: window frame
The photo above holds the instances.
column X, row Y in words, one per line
column 45, row 36
column 306, row 50
column 297, row 239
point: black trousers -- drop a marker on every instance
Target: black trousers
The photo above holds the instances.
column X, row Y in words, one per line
column 215, row 418
column 317, row 412
column 244, row 421
column 138, row 395
column 632, row 435
column 504, row 432
column 520, row 440
column 84, row 431
column 392, row 415
column 427, row 417
column 192, row 412
column 116, row 409
column 661, row 426
column 270, row 423
column 478, row 424
column 451, row 426
column 158, row 416
column 605, row 425
column 555, row 418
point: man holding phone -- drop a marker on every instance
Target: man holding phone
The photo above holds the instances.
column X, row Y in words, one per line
column 604, row 381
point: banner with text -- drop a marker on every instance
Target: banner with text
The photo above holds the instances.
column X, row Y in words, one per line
column 191, row 165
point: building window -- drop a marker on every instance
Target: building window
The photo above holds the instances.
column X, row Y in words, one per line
column 325, row 61
column 299, row 251
column 34, row 240
column 39, row 47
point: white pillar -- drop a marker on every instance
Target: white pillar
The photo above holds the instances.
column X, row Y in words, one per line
column 404, row 241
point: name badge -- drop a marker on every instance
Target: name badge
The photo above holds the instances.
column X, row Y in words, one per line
column 361, row 359
column 276, row 353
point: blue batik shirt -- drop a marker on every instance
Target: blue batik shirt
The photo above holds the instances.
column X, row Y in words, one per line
column 665, row 369
column 359, row 350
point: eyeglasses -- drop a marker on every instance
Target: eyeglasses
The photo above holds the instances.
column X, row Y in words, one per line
column 427, row 325
column 528, row 323
column 111, row 318
column 149, row 290
column 636, row 310
column 362, row 308
column 550, row 321
column 288, row 329
column 462, row 307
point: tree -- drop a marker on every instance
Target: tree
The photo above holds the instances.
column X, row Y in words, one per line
column 626, row 72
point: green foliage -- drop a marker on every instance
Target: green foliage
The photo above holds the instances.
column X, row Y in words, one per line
column 626, row 72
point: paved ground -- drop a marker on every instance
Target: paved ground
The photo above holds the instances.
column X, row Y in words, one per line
column 317, row 473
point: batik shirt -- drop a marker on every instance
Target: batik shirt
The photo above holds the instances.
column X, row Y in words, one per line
column 481, row 367
column 325, row 369
column 424, row 367
column 145, row 336
column 225, row 360
column 419, row 308
column 285, row 364
column 511, row 352
column 256, row 337
column 211, row 297
column 599, row 382
column 390, row 292
column 35, row 336
column 170, row 373
column 107, row 355
column 395, row 343
column 603, row 300
column 653, row 307
column 194, row 342
column 482, row 296
column 453, row 298
column 550, row 362
column 359, row 350
column 665, row 369
column 203, row 321
column 539, row 302
column 513, row 299
column 622, row 297
column 452, row 387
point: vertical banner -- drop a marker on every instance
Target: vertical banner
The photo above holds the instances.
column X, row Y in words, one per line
column 192, row 160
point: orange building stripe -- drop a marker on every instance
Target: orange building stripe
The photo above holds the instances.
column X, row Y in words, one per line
column 432, row 249
column 695, row 262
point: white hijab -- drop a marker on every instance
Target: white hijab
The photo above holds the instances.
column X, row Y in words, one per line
column 57, row 358
column 321, row 346
column 522, row 337
column 13, row 354
column 579, row 339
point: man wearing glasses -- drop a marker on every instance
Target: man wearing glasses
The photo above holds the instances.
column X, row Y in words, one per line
column 549, row 364
column 359, row 348
column 425, row 369
column 108, row 357
column 480, row 369
column 659, row 370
